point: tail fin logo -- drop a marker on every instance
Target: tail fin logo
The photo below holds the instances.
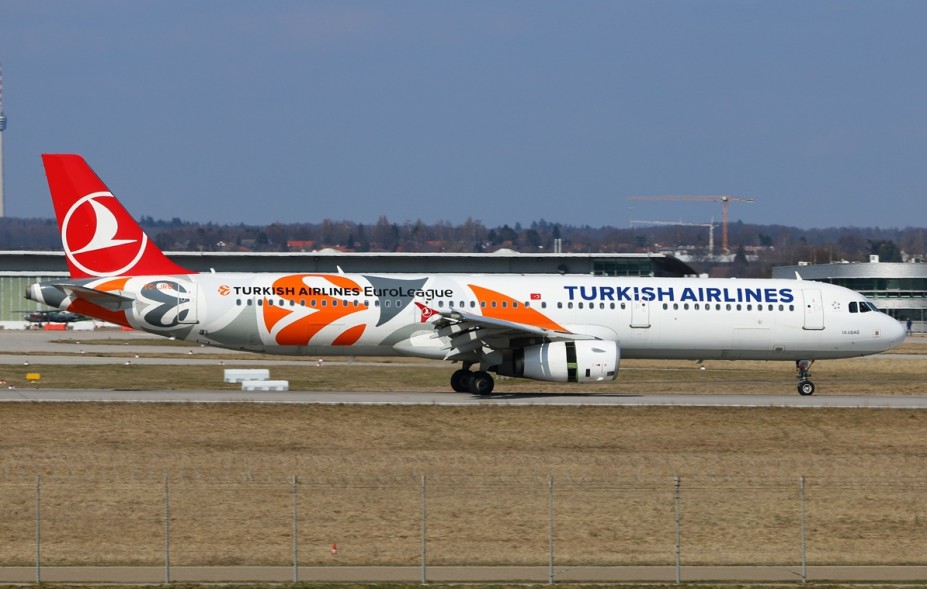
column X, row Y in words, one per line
column 93, row 240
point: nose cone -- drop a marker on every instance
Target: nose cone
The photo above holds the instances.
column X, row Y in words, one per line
column 893, row 333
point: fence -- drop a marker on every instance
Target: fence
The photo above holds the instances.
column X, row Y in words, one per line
column 467, row 520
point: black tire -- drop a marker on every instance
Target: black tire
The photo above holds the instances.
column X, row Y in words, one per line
column 806, row 388
column 481, row 383
column 460, row 381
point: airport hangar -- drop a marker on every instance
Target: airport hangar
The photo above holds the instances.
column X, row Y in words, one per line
column 19, row 269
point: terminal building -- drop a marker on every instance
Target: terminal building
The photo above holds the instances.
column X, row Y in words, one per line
column 899, row 289
column 19, row 269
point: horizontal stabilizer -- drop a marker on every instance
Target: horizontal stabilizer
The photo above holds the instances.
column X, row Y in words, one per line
column 100, row 298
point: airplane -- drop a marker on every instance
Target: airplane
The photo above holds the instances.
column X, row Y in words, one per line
column 52, row 316
column 558, row 328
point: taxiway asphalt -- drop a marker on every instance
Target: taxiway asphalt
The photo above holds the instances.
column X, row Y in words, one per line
column 46, row 347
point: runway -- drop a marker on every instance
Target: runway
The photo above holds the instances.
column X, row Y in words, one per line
column 46, row 347
column 450, row 399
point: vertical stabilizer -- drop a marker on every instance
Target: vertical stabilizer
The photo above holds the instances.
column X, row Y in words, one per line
column 99, row 236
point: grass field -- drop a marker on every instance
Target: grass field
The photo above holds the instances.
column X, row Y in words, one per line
column 229, row 469
column 107, row 473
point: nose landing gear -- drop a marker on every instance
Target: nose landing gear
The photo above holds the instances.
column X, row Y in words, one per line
column 805, row 386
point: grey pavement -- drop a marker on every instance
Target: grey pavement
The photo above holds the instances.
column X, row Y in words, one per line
column 488, row 574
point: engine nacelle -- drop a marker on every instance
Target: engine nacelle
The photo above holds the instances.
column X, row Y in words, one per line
column 579, row 361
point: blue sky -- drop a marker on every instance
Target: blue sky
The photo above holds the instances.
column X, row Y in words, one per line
column 237, row 111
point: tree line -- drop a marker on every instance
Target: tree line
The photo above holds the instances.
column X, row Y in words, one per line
column 755, row 248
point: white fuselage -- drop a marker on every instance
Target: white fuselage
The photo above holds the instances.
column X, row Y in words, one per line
column 371, row 314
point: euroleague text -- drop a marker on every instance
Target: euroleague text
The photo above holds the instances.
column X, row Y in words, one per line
column 332, row 291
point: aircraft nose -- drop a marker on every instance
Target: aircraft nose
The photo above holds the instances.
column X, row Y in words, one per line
column 894, row 332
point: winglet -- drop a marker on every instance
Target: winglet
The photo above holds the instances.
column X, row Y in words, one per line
column 99, row 236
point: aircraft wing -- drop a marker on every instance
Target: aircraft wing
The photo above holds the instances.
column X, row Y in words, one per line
column 472, row 334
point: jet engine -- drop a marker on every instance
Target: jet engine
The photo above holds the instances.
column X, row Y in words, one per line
column 571, row 361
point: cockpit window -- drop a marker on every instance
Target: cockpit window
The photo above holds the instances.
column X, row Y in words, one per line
column 862, row 307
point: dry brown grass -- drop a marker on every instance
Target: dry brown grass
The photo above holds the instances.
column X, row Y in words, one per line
column 229, row 469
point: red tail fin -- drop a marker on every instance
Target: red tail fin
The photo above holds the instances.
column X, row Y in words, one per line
column 99, row 236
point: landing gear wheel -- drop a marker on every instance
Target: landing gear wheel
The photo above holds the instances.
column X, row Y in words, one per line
column 805, row 388
column 460, row 381
column 481, row 383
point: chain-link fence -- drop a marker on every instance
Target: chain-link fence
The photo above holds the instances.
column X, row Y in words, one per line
column 465, row 520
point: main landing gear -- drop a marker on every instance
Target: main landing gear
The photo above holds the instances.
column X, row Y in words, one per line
column 805, row 386
column 479, row 382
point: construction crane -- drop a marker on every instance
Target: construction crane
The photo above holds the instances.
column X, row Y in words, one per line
column 711, row 229
column 724, row 199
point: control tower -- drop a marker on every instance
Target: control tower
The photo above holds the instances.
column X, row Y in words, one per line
column 2, row 129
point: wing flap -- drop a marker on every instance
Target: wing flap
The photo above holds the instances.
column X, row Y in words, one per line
column 455, row 323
